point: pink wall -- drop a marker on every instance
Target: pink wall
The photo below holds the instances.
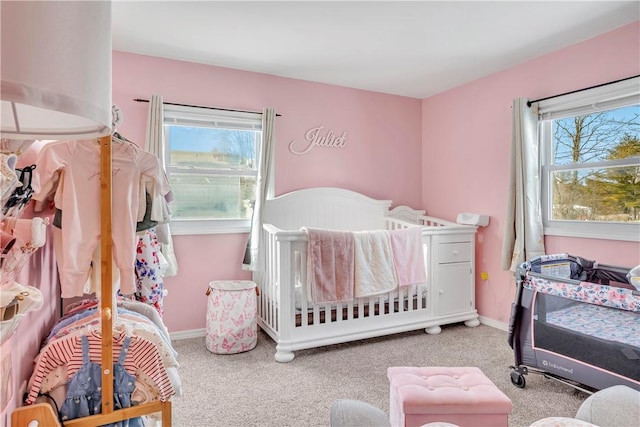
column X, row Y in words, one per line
column 381, row 157
column 466, row 135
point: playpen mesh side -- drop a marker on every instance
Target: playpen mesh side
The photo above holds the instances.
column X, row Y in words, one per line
column 598, row 335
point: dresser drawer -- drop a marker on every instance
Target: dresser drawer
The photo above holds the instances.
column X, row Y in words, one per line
column 454, row 252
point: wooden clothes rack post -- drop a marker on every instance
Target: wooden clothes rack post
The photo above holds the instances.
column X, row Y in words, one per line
column 21, row 417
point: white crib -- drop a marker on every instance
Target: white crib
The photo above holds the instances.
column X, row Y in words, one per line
column 294, row 324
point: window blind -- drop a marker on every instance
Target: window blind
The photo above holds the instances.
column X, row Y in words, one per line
column 616, row 95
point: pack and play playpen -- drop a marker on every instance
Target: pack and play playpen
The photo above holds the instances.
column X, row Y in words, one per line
column 576, row 321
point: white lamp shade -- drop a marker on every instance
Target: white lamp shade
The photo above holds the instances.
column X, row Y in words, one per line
column 55, row 69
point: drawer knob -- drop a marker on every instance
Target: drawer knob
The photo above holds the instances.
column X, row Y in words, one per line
column 441, row 291
column 455, row 252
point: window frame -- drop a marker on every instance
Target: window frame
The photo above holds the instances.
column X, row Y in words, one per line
column 193, row 116
column 616, row 95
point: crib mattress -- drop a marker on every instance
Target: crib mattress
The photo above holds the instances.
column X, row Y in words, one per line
column 601, row 322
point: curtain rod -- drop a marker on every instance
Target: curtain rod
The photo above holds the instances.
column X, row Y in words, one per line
column 200, row 106
column 580, row 90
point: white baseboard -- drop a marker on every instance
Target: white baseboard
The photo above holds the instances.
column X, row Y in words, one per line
column 184, row 335
column 197, row 333
column 494, row 323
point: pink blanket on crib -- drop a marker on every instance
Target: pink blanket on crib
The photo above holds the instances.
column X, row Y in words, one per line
column 330, row 269
column 408, row 255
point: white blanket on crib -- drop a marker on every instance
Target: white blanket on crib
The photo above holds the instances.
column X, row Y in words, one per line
column 373, row 264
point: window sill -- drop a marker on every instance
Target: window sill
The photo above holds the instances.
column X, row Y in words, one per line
column 198, row 227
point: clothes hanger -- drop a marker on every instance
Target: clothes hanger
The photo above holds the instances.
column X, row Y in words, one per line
column 116, row 120
column 117, row 137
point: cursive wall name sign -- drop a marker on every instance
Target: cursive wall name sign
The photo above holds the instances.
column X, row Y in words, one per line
column 314, row 139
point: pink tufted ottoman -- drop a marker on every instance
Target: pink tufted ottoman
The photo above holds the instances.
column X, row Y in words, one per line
column 461, row 396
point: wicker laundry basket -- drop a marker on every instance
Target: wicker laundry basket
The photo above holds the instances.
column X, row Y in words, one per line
column 231, row 316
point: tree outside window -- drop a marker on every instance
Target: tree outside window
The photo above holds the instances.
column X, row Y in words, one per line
column 596, row 166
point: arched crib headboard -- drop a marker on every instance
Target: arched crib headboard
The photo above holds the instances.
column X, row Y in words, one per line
column 326, row 207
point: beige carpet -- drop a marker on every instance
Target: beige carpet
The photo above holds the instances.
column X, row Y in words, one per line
column 252, row 389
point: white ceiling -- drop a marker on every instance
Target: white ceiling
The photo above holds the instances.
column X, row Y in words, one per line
column 409, row 48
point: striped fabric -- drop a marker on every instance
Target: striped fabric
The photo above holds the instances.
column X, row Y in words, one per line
column 142, row 357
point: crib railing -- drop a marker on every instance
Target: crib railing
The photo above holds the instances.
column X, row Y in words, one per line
column 429, row 223
column 287, row 315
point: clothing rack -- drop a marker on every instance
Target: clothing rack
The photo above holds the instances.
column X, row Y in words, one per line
column 201, row 106
column 22, row 416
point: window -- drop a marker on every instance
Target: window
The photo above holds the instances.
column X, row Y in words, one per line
column 211, row 159
column 590, row 146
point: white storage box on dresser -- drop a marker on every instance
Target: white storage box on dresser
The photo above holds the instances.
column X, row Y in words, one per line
column 285, row 310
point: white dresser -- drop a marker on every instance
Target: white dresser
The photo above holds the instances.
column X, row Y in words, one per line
column 453, row 277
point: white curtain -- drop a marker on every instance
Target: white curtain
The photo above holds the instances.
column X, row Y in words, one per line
column 263, row 188
column 155, row 134
column 154, row 144
column 524, row 234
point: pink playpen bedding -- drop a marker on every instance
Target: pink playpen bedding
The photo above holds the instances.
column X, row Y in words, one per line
column 599, row 321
